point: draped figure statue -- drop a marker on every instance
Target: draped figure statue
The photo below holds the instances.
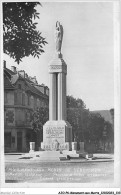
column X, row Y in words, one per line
column 58, row 36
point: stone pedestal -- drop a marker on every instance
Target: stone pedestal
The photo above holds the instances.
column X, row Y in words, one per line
column 32, row 146
column 57, row 135
column 74, row 146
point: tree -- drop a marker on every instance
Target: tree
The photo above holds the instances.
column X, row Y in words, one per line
column 95, row 127
column 74, row 103
column 39, row 117
column 112, row 132
column 112, row 116
column 77, row 115
column 20, row 35
column 108, row 136
column 37, row 128
column 93, row 131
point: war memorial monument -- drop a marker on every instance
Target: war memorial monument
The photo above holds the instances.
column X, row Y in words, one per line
column 57, row 132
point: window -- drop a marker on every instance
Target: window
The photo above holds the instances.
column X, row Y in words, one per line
column 10, row 116
column 23, row 99
column 35, row 103
column 5, row 97
column 18, row 98
column 19, row 86
column 15, row 98
column 13, row 139
column 32, row 102
column 38, row 104
column 28, row 100
column 7, row 139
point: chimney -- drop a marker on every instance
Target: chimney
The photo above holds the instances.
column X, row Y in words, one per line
column 26, row 75
column 33, row 79
column 4, row 63
column 47, row 91
column 22, row 73
column 13, row 68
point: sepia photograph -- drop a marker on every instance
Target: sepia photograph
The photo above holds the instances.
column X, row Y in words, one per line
column 60, row 76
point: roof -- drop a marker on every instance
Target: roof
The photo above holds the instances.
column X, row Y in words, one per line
column 7, row 83
column 10, row 71
column 12, row 78
column 105, row 114
column 35, row 90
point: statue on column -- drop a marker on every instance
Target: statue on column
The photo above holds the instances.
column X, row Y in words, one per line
column 58, row 37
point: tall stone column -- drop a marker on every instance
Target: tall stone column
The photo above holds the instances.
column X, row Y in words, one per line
column 53, row 97
column 61, row 96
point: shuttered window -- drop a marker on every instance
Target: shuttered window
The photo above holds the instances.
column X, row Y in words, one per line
column 18, row 98
column 23, row 99
column 15, row 98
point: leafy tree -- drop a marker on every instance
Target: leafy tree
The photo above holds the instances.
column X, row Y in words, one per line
column 112, row 112
column 112, row 129
column 99, row 130
column 39, row 117
column 77, row 115
column 108, row 134
column 112, row 116
column 20, row 35
column 108, row 131
column 95, row 126
column 72, row 102
column 72, row 118
column 87, row 126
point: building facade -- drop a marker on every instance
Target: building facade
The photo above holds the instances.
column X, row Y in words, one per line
column 22, row 95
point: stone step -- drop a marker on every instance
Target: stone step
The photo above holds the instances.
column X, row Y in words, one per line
column 77, row 155
column 50, row 158
column 54, row 155
column 45, row 155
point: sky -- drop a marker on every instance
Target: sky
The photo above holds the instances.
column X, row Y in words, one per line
column 87, row 48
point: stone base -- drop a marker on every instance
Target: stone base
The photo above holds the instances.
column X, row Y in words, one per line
column 46, row 156
column 75, row 154
column 55, row 146
column 55, row 155
column 31, row 151
column 57, row 135
column 32, row 146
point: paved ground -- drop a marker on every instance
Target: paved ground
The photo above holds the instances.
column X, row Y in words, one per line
column 17, row 156
column 75, row 171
